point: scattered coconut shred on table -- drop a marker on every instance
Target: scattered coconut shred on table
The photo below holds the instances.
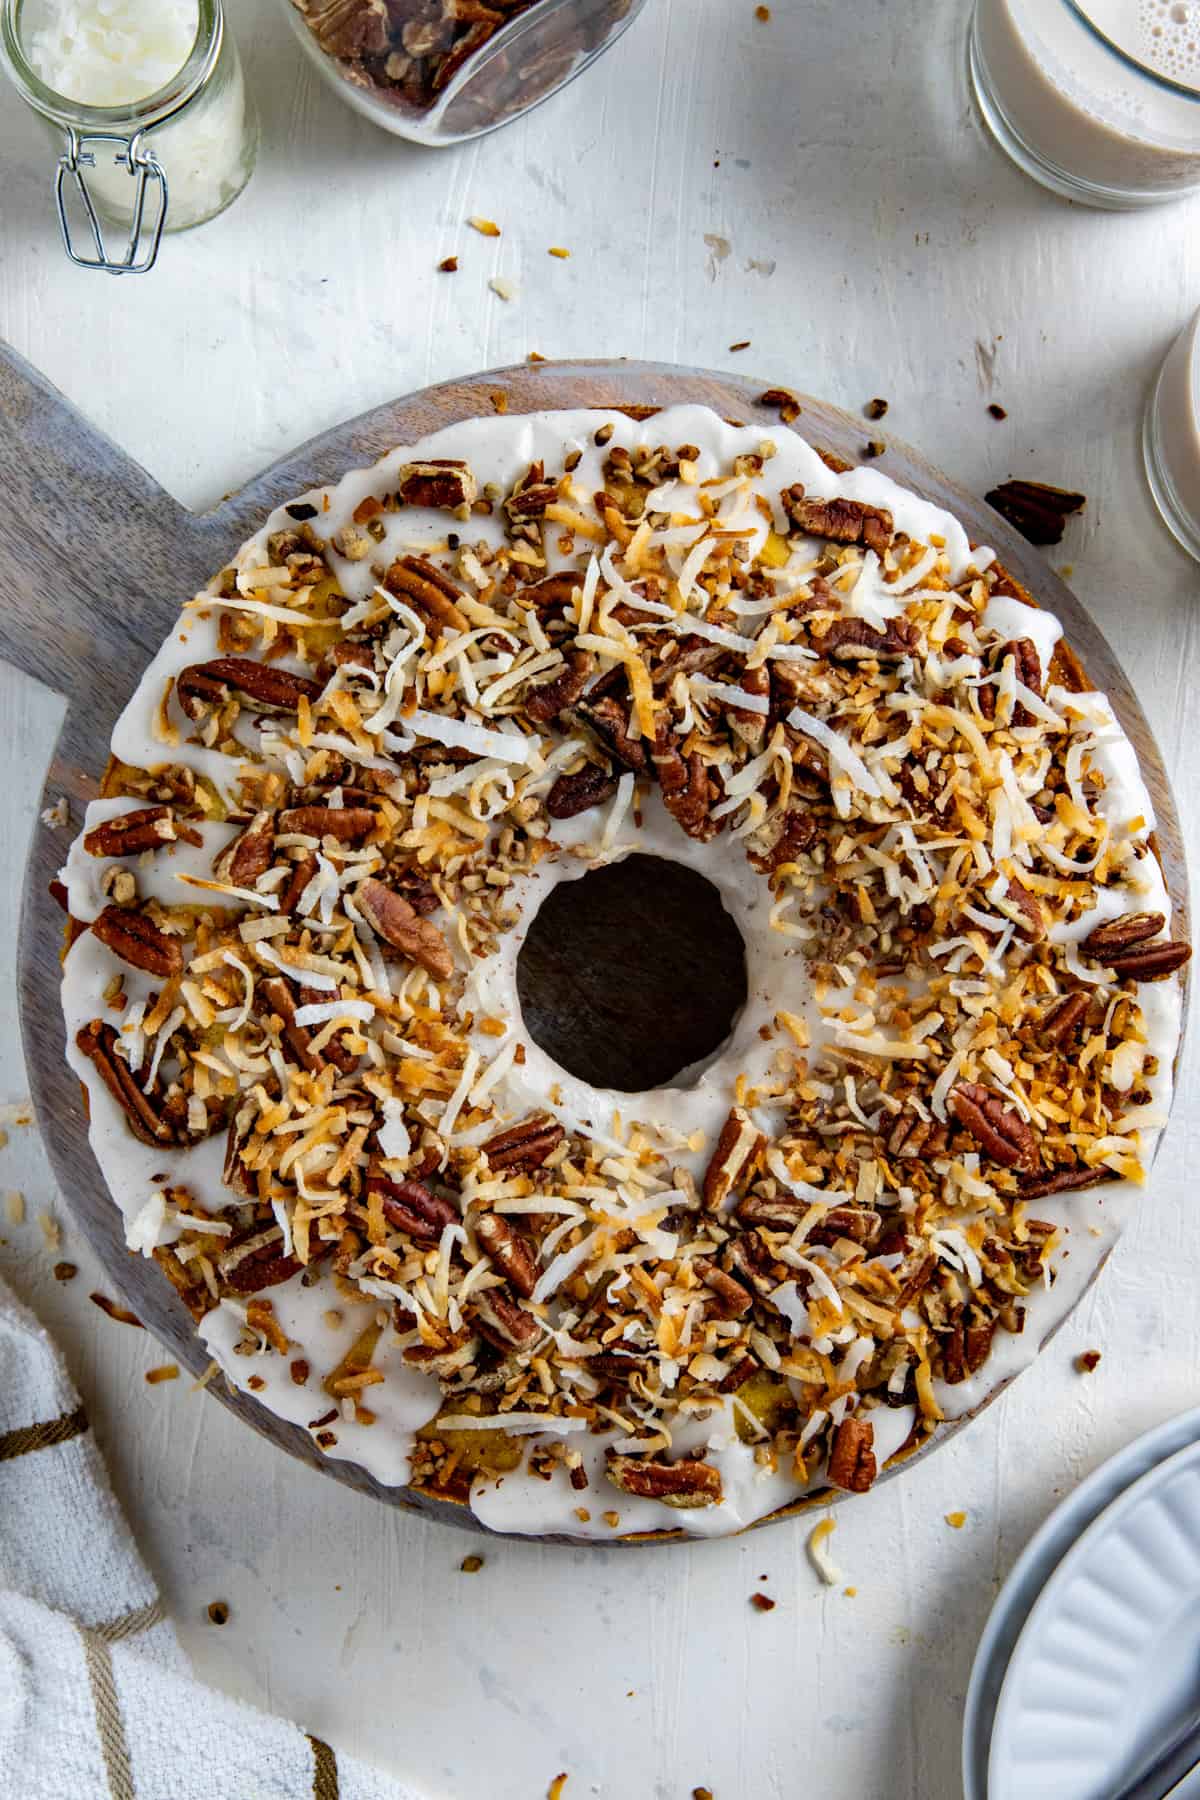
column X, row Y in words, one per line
column 818, row 1551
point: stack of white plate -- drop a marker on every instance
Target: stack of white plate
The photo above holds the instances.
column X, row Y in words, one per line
column 1090, row 1662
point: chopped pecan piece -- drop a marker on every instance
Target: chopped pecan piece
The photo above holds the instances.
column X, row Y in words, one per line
column 748, row 1258
column 509, row 1250
column 1026, row 909
column 138, row 941
column 782, row 401
column 578, row 793
column 799, row 831
column 998, row 1129
column 544, row 703
column 1062, row 1019
column 609, row 721
column 1038, row 512
column 433, row 594
column 413, row 1207
column 443, row 484
column 911, row 1134
column 297, row 881
column 146, row 829
column 681, row 1484
column 552, row 594
column 531, row 496
column 730, row 1300
column 861, row 1224
column 266, row 1265
column 503, row 1321
column 686, row 790
column 843, row 521
column 852, row 1458
column 524, row 1147
column 204, row 685
column 739, row 1146
column 1028, row 669
column 401, row 926
column 248, row 856
column 966, row 1348
column 348, row 824
column 98, row 1043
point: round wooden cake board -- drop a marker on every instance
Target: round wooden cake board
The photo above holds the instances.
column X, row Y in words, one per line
column 95, row 559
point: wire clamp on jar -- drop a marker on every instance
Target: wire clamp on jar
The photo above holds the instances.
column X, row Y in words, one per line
column 141, row 248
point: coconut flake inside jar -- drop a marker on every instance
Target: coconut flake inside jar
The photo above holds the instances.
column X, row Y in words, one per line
column 168, row 67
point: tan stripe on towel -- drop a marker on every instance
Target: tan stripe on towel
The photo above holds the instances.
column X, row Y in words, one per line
column 42, row 1437
column 132, row 1623
column 114, row 1745
column 325, row 1775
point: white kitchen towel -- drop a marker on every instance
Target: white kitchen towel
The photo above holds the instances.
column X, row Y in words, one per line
column 97, row 1701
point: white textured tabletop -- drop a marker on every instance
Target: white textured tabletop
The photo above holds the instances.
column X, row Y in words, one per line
column 818, row 184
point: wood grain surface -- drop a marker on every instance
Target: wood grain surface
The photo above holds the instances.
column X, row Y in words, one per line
column 118, row 555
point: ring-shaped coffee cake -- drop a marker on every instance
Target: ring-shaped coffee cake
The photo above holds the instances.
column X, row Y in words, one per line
column 418, row 699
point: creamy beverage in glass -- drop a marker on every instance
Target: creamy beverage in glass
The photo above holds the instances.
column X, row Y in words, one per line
column 1172, row 438
column 1097, row 99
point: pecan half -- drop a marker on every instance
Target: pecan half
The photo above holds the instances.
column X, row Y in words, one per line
column 98, row 1043
column 578, row 793
column 413, row 1207
column 1154, row 963
column 547, row 701
column 503, row 1321
column 531, row 496
column 1063, row 1182
column 431, row 593
column 852, row 1463
column 509, row 1250
column 1119, row 935
column 1038, row 512
column 266, row 1265
column 274, row 996
column 348, row 824
column 998, row 1129
column 250, row 855
column 852, row 640
column 401, row 926
column 739, row 1146
column 443, row 484
column 1123, row 946
column 204, row 685
column 911, row 1135
column 137, row 941
column 680, row 1484
column 1062, row 1019
column 350, row 28
column 524, row 1147
column 730, row 1299
column 842, row 521
column 146, row 829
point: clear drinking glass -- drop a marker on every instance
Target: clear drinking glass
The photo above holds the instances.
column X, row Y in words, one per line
column 1172, row 438
column 1097, row 99
column 167, row 161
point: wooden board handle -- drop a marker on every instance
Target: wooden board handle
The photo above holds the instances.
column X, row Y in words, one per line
column 89, row 546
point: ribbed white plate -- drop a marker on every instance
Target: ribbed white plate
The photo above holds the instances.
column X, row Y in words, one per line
column 1109, row 1660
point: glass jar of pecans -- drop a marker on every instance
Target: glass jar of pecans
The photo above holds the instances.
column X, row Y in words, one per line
column 439, row 71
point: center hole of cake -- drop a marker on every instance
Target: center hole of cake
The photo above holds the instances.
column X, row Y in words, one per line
column 632, row 973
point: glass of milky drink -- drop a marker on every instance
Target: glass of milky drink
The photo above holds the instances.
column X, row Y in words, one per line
column 1097, row 99
column 147, row 102
column 1172, row 438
